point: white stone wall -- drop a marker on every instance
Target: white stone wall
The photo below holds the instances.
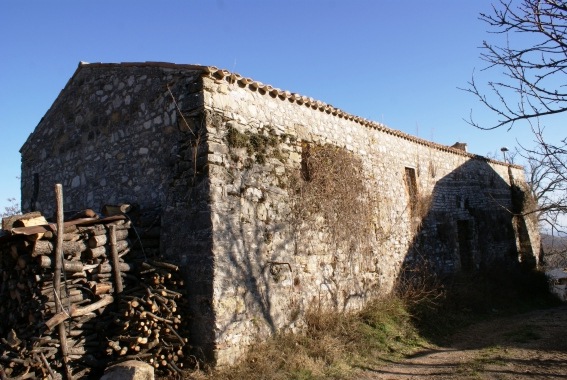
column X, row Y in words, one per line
column 250, row 203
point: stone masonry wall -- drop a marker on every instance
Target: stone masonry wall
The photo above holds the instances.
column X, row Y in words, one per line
column 266, row 278
column 111, row 136
column 222, row 163
column 115, row 135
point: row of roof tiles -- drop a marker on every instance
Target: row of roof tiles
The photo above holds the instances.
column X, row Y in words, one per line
column 253, row 85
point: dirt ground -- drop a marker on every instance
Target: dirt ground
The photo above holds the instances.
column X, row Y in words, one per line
column 527, row 346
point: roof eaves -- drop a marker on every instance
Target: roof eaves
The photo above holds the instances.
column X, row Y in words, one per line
column 234, row 78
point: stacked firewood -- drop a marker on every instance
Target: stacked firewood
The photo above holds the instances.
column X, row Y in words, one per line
column 150, row 321
column 115, row 301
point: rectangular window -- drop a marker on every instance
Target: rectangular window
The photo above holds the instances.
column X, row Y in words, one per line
column 411, row 188
column 464, row 236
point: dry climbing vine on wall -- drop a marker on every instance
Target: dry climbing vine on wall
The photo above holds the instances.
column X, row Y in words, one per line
column 329, row 192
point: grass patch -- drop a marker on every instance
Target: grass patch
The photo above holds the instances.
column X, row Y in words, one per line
column 335, row 346
column 332, row 346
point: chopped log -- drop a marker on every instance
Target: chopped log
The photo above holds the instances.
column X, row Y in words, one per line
column 93, row 253
column 85, row 318
column 68, row 266
column 115, row 261
column 45, row 247
column 42, row 247
column 111, row 210
column 97, row 229
column 122, row 224
column 69, row 229
column 30, row 221
column 99, row 240
column 163, row 265
column 64, row 301
column 99, row 288
column 74, row 248
column 107, row 267
column 72, row 236
column 52, row 227
column 8, row 222
column 101, row 276
column 88, row 213
column 77, row 312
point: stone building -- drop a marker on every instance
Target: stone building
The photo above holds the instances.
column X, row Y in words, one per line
column 272, row 202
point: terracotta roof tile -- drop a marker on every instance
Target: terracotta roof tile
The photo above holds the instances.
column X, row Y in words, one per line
column 253, row 85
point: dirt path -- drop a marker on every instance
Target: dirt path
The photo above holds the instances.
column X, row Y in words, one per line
column 527, row 346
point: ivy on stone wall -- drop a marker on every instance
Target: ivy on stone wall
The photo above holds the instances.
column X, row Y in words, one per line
column 329, row 192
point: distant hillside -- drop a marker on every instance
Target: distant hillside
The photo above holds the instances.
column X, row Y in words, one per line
column 555, row 248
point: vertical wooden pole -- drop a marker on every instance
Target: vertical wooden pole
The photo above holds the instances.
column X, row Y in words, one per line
column 115, row 261
column 57, row 278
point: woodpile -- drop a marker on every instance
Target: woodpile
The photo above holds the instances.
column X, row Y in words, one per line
column 113, row 299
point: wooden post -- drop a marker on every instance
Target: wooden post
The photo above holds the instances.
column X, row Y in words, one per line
column 115, row 262
column 57, row 278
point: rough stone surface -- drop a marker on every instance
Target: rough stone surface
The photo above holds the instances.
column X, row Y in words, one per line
column 129, row 370
column 115, row 134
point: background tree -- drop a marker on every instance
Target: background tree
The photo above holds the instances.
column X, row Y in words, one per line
column 546, row 170
column 533, row 56
column 12, row 209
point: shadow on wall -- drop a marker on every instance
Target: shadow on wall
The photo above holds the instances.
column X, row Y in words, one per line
column 274, row 255
column 253, row 282
column 474, row 220
column 252, row 271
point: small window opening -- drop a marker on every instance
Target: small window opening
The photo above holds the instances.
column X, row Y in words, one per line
column 306, row 169
column 411, row 188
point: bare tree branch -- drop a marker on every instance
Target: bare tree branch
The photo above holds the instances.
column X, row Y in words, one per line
column 532, row 58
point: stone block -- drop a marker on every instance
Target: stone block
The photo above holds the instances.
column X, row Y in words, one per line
column 129, row 370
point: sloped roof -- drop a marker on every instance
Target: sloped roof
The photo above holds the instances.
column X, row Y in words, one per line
column 253, row 85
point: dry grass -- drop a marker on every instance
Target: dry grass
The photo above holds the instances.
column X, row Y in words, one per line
column 332, row 346
column 336, row 346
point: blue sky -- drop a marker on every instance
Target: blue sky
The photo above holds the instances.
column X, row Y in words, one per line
column 395, row 62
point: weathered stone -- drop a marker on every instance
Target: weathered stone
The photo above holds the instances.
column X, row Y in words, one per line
column 129, row 370
column 229, row 210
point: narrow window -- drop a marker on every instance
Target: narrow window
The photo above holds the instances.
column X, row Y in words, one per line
column 464, row 236
column 411, row 188
column 306, row 169
column 35, row 193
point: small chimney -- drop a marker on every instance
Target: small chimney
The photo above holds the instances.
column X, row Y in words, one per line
column 460, row 146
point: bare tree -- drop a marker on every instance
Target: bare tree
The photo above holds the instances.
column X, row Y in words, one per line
column 12, row 209
column 546, row 170
column 547, row 175
column 532, row 54
column 530, row 51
